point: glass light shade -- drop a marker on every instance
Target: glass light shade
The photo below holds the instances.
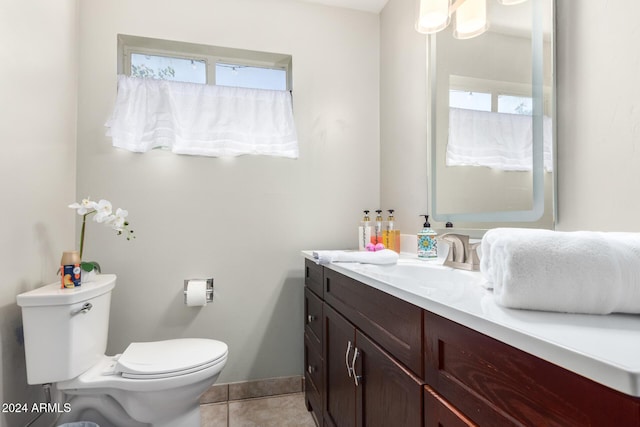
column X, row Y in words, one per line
column 471, row 19
column 432, row 15
column 510, row 2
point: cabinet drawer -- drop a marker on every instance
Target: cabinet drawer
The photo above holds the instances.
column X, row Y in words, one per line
column 495, row 384
column 313, row 365
column 394, row 324
column 313, row 276
column 440, row 413
column 313, row 378
column 313, row 316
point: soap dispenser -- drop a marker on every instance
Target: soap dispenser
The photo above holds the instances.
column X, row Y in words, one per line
column 378, row 229
column 391, row 236
column 427, row 244
column 364, row 232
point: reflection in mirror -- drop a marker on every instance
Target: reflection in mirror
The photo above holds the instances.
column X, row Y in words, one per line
column 492, row 131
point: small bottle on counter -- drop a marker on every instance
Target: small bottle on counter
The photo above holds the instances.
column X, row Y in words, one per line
column 377, row 238
column 70, row 269
column 364, row 232
column 427, row 244
column 390, row 235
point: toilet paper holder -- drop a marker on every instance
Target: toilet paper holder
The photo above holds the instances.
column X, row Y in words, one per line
column 209, row 291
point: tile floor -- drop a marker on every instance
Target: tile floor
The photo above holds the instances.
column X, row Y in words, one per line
column 286, row 410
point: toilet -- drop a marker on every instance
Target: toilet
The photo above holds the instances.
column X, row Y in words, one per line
column 156, row 384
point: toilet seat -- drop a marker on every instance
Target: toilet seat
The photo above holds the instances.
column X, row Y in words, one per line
column 169, row 358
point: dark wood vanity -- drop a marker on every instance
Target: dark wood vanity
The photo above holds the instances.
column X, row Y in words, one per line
column 375, row 360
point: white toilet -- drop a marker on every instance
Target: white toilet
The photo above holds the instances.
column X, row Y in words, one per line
column 156, row 384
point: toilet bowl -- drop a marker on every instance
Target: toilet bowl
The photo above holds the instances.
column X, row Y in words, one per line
column 156, row 384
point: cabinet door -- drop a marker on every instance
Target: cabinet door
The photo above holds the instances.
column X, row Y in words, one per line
column 440, row 413
column 339, row 347
column 388, row 393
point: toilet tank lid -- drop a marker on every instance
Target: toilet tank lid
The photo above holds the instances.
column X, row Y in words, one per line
column 52, row 294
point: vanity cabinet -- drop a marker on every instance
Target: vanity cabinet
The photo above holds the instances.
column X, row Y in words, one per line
column 313, row 347
column 486, row 382
column 371, row 354
column 374, row 360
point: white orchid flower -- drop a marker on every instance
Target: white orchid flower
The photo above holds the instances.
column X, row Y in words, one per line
column 103, row 211
column 85, row 206
column 118, row 221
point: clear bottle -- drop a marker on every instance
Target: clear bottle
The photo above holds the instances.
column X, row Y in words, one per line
column 390, row 235
column 427, row 244
column 364, row 232
column 377, row 238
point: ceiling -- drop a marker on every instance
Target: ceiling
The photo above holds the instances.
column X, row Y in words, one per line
column 374, row 6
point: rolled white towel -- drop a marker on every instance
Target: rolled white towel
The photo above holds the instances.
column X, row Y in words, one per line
column 574, row 272
column 385, row 256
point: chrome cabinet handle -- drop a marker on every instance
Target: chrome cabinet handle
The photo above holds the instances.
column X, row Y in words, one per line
column 84, row 309
column 311, row 318
column 356, row 353
column 346, row 358
column 311, row 369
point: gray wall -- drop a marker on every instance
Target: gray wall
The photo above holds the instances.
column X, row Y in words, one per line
column 245, row 220
column 38, row 83
column 598, row 115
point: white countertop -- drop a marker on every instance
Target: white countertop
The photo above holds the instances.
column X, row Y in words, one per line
column 605, row 349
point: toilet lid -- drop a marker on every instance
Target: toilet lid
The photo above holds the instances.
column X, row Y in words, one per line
column 161, row 359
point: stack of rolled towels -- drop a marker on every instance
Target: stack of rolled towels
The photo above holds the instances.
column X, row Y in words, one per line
column 573, row 272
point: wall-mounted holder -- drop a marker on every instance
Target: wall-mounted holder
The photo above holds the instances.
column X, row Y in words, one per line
column 208, row 290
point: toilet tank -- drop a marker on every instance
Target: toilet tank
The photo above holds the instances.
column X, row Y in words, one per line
column 61, row 340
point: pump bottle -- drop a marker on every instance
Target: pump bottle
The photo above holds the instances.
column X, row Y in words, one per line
column 391, row 236
column 377, row 238
column 427, row 244
column 364, row 232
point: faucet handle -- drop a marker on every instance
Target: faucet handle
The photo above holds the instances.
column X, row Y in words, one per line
column 457, row 246
column 473, row 257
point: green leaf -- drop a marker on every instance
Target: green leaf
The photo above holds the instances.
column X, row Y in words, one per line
column 90, row 266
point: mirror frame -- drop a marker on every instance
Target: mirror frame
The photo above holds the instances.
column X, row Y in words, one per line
column 537, row 209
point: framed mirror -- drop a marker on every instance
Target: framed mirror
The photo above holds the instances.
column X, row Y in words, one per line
column 492, row 120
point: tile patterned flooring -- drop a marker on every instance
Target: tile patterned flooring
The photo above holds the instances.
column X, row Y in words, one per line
column 285, row 410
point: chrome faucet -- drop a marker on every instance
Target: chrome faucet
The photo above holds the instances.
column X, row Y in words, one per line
column 462, row 254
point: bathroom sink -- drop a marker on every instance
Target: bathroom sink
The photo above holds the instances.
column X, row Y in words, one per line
column 425, row 278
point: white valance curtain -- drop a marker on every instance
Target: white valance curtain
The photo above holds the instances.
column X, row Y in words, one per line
column 495, row 140
column 198, row 119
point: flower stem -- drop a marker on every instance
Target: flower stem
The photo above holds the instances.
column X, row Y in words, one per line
column 84, row 219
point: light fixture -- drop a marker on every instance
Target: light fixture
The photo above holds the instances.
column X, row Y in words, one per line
column 470, row 19
column 433, row 15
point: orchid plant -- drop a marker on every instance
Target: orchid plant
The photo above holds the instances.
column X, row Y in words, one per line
column 103, row 214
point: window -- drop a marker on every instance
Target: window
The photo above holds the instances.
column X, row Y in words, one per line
column 479, row 101
column 515, row 104
column 490, row 95
column 203, row 64
column 251, row 77
column 168, row 68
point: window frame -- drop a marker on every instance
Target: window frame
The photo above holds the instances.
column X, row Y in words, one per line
column 497, row 88
column 211, row 55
